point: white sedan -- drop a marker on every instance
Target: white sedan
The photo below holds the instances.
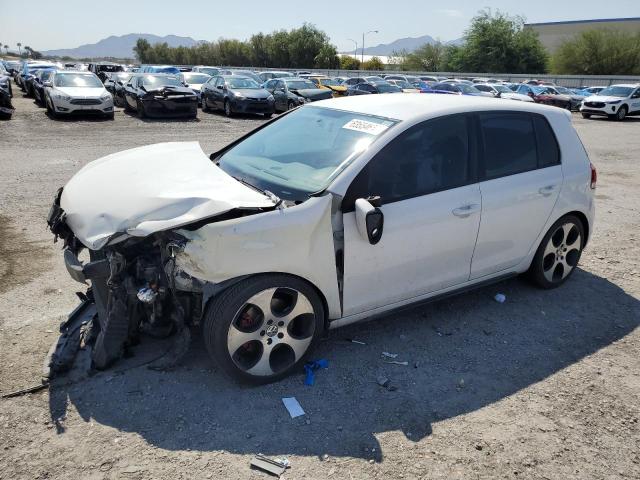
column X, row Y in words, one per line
column 501, row 91
column 333, row 213
column 71, row 92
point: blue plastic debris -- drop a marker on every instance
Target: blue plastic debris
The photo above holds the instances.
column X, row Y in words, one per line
column 311, row 367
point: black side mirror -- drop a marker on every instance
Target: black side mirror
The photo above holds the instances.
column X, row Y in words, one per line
column 369, row 219
column 220, row 87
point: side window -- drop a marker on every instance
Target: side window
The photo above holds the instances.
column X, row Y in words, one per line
column 219, row 81
column 427, row 158
column 548, row 151
column 509, row 144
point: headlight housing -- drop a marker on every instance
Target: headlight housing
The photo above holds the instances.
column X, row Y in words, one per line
column 613, row 102
column 106, row 97
column 61, row 96
column 270, row 98
column 239, row 96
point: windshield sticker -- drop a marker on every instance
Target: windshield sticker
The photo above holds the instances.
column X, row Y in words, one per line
column 365, row 127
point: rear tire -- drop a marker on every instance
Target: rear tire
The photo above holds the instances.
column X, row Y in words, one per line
column 263, row 328
column 290, row 105
column 559, row 253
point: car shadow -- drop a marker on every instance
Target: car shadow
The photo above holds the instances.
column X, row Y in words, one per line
column 237, row 116
column 463, row 354
column 74, row 117
column 133, row 114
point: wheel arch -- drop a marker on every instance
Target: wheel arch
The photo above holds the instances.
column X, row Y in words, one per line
column 212, row 290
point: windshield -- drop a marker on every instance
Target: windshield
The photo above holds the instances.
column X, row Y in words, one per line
column 403, row 84
column 300, row 84
column 165, row 70
column 386, row 87
column 156, row 81
column 122, row 76
column 502, row 89
column 564, row 91
column 241, row 82
column 422, row 85
column 468, row 89
column 303, row 151
column 616, row 92
column 76, row 80
column 197, row 78
column 331, row 82
column 209, row 70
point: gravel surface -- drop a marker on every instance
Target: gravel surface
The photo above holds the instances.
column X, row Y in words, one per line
column 544, row 386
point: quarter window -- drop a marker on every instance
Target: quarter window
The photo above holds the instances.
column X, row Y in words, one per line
column 548, row 151
column 509, row 144
column 427, row 158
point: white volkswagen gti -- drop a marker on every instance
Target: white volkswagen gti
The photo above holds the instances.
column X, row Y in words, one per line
column 614, row 102
column 77, row 92
column 330, row 214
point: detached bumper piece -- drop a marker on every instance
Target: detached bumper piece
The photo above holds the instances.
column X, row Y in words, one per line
column 73, row 331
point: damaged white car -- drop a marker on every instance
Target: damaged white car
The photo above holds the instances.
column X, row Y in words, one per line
column 329, row 214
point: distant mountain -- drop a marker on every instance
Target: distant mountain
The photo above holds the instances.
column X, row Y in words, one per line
column 409, row 44
column 119, row 46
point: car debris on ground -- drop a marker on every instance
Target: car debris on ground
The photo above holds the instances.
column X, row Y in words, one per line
column 310, row 369
column 293, row 407
column 273, row 466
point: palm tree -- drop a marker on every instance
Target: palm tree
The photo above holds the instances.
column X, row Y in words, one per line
column 19, row 48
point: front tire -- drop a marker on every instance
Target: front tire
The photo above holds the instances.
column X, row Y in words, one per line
column 263, row 328
column 586, row 115
column 559, row 253
column 140, row 108
column 227, row 108
column 622, row 113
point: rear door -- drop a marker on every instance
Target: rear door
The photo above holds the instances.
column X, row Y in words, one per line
column 521, row 178
column 430, row 198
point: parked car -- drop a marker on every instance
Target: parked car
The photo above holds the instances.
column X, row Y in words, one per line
column 159, row 95
column 236, row 94
column 501, row 91
column 264, row 76
column 167, row 69
column 69, row 92
column 12, row 66
column 211, row 71
column 31, row 81
column 5, row 75
column 331, row 214
column 332, row 84
column 291, row 92
column 428, row 78
column 615, row 102
column 29, row 69
column 576, row 99
column 195, row 81
column 102, row 69
column 6, row 107
column 368, row 88
column 546, row 96
column 354, row 81
column 403, row 85
column 458, row 88
column 38, row 84
column 458, row 81
column 422, row 86
column 246, row 73
column 589, row 91
column 114, row 83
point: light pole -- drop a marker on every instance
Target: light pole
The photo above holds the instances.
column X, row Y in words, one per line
column 363, row 34
column 355, row 50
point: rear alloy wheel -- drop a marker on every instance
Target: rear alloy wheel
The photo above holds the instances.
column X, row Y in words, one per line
column 290, row 105
column 262, row 328
column 227, row 108
column 622, row 113
column 558, row 253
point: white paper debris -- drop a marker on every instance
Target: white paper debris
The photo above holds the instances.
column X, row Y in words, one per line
column 389, row 355
column 293, row 407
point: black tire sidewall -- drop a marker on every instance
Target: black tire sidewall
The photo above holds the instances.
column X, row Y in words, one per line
column 222, row 309
column 536, row 272
column 622, row 108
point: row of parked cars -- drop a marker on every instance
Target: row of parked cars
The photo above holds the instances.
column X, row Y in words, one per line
column 166, row 90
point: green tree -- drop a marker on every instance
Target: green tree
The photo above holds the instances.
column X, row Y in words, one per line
column 498, row 43
column 429, row 57
column 327, row 57
column 304, row 45
column 142, row 50
column 374, row 63
column 599, row 52
column 347, row 62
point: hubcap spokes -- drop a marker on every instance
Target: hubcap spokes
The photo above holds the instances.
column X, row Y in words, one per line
column 271, row 331
column 561, row 253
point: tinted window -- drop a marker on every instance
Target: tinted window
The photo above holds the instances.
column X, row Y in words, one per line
column 427, row 158
column 548, row 152
column 509, row 144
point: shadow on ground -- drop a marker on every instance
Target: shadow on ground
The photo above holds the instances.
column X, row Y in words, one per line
column 496, row 349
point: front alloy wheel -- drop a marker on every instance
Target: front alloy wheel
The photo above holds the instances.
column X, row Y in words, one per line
column 559, row 253
column 262, row 328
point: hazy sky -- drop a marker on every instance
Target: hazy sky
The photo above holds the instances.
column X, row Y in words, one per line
column 49, row 24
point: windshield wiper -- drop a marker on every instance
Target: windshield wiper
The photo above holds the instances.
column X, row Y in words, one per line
column 272, row 196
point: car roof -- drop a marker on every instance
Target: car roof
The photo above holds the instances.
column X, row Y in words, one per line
column 418, row 107
column 630, row 85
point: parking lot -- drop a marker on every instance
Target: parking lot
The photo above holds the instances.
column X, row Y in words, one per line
column 543, row 386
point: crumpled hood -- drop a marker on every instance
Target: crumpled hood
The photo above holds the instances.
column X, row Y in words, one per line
column 150, row 189
column 313, row 93
column 169, row 90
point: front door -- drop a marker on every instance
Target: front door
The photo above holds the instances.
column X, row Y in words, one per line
column 426, row 179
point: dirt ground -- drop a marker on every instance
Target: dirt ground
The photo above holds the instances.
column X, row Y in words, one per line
column 544, row 386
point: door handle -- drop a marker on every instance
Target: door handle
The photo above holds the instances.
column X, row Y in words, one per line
column 466, row 210
column 546, row 191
